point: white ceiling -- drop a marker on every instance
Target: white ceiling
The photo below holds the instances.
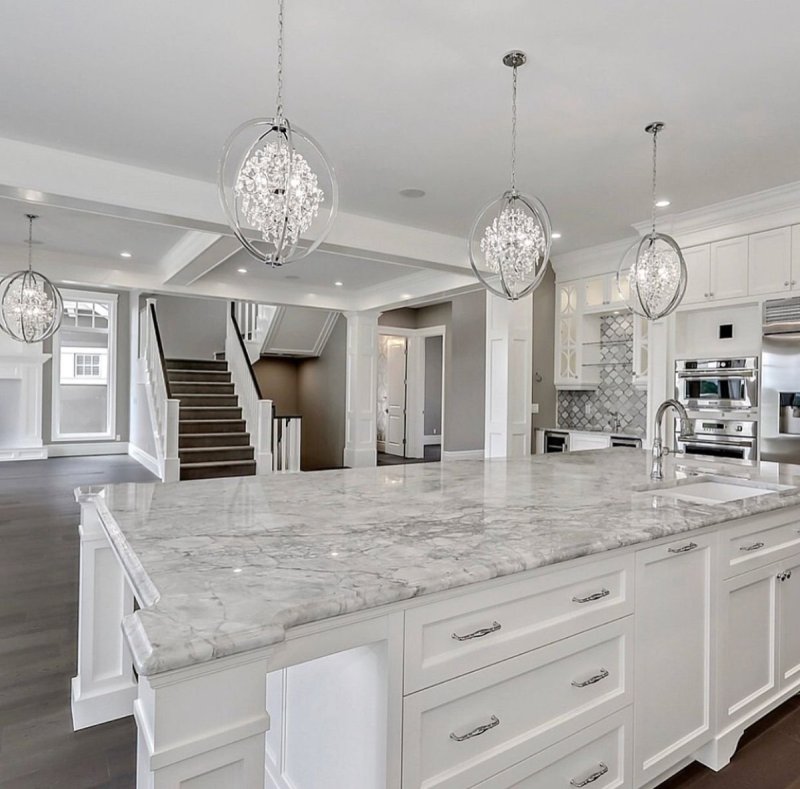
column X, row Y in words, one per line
column 318, row 270
column 412, row 94
column 60, row 230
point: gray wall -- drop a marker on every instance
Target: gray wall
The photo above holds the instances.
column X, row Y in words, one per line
column 433, row 385
column 123, row 362
column 544, row 316
column 464, row 318
column 191, row 328
column 279, row 381
column 321, row 394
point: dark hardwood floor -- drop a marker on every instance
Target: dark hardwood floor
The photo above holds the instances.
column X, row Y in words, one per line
column 38, row 624
column 38, row 605
column 433, row 453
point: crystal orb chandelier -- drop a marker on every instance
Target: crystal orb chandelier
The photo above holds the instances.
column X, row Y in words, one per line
column 269, row 184
column 655, row 273
column 30, row 305
column 509, row 244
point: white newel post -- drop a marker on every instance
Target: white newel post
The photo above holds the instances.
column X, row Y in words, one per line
column 509, row 361
column 360, row 408
column 104, row 688
column 203, row 727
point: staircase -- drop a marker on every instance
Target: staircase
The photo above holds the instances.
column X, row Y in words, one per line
column 213, row 440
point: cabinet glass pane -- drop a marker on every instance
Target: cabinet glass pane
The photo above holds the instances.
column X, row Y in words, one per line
column 595, row 292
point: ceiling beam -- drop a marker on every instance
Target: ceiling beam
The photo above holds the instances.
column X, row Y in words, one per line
column 195, row 255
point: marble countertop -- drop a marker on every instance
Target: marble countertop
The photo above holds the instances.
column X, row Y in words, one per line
column 227, row 565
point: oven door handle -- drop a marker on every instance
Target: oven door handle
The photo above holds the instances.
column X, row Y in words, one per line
column 717, row 374
column 695, row 443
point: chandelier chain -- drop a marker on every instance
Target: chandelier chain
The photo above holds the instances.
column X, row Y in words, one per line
column 514, row 132
column 655, row 153
column 30, row 241
column 279, row 100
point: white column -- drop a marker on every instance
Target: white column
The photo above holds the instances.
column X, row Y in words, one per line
column 203, row 727
column 105, row 687
column 361, row 386
column 509, row 360
column 660, row 379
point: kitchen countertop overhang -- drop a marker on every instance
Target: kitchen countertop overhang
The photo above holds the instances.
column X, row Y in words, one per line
column 224, row 566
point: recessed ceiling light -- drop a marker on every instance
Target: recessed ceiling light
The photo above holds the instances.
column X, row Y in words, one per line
column 338, row 284
column 662, row 203
column 242, row 270
column 405, row 295
column 412, row 193
column 556, row 235
column 126, row 254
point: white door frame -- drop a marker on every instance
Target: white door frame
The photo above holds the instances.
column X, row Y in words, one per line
column 415, row 389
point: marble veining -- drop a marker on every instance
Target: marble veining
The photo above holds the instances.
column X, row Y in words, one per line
column 227, row 565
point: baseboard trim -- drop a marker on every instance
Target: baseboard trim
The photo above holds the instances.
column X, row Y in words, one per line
column 463, row 454
column 432, row 440
column 105, row 705
column 81, row 448
column 23, row 453
column 148, row 461
column 381, row 446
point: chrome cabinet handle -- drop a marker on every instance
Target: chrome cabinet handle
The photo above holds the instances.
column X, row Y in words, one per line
column 476, row 732
column 484, row 631
column 688, row 547
column 754, row 547
column 591, row 778
column 592, row 680
column 590, row 598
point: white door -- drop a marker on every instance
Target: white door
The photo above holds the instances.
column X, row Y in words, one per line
column 729, row 268
column 698, row 267
column 789, row 617
column 673, row 711
column 396, row 395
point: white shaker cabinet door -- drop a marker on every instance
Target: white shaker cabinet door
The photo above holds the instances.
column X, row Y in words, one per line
column 771, row 261
column 728, row 279
column 673, row 690
column 698, row 266
column 789, row 622
column 748, row 670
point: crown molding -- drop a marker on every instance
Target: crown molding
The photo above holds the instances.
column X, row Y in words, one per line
column 588, row 261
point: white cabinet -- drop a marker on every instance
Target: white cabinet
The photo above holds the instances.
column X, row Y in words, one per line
column 698, row 267
column 728, row 270
column 788, row 579
column 567, row 358
column 673, row 690
column 771, row 261
column 581, row 441
column 601, row 292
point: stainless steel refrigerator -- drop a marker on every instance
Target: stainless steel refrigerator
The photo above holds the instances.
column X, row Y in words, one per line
column 780, row 382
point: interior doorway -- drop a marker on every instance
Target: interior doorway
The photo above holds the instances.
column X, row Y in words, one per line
column 410, row 395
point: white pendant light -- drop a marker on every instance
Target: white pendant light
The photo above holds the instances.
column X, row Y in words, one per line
column 509, row 244
column 277, row 189
column 653, row 268
column 30, row 305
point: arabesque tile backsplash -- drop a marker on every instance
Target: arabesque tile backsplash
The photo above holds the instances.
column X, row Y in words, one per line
column 616, row 394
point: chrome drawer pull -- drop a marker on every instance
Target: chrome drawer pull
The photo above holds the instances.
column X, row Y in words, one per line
column 592, row 778
column 688, row 547
column 493, row 721
column 484, row 631
column 591, row 681
column 589, row 598
column 754, row 547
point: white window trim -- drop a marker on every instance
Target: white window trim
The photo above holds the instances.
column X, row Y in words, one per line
column 111, row 415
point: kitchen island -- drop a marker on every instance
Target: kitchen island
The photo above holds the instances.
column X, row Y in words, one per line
column 412, row 625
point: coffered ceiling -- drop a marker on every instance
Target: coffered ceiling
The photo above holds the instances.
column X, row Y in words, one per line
column 401, row 95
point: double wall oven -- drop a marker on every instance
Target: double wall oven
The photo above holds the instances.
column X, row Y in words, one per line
column 721, row 399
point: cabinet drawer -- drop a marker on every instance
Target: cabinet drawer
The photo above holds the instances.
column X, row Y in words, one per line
column 459, row 635
column 596, row 758
column 757, row 543
column 464, row 731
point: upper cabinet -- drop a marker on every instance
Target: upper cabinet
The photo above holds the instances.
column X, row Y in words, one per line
column 771, row 261
column 600, row 292
column 567, row 357
column 716, row 271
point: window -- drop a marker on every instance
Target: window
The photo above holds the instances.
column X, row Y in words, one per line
column 84, row 368
column 87, row 365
